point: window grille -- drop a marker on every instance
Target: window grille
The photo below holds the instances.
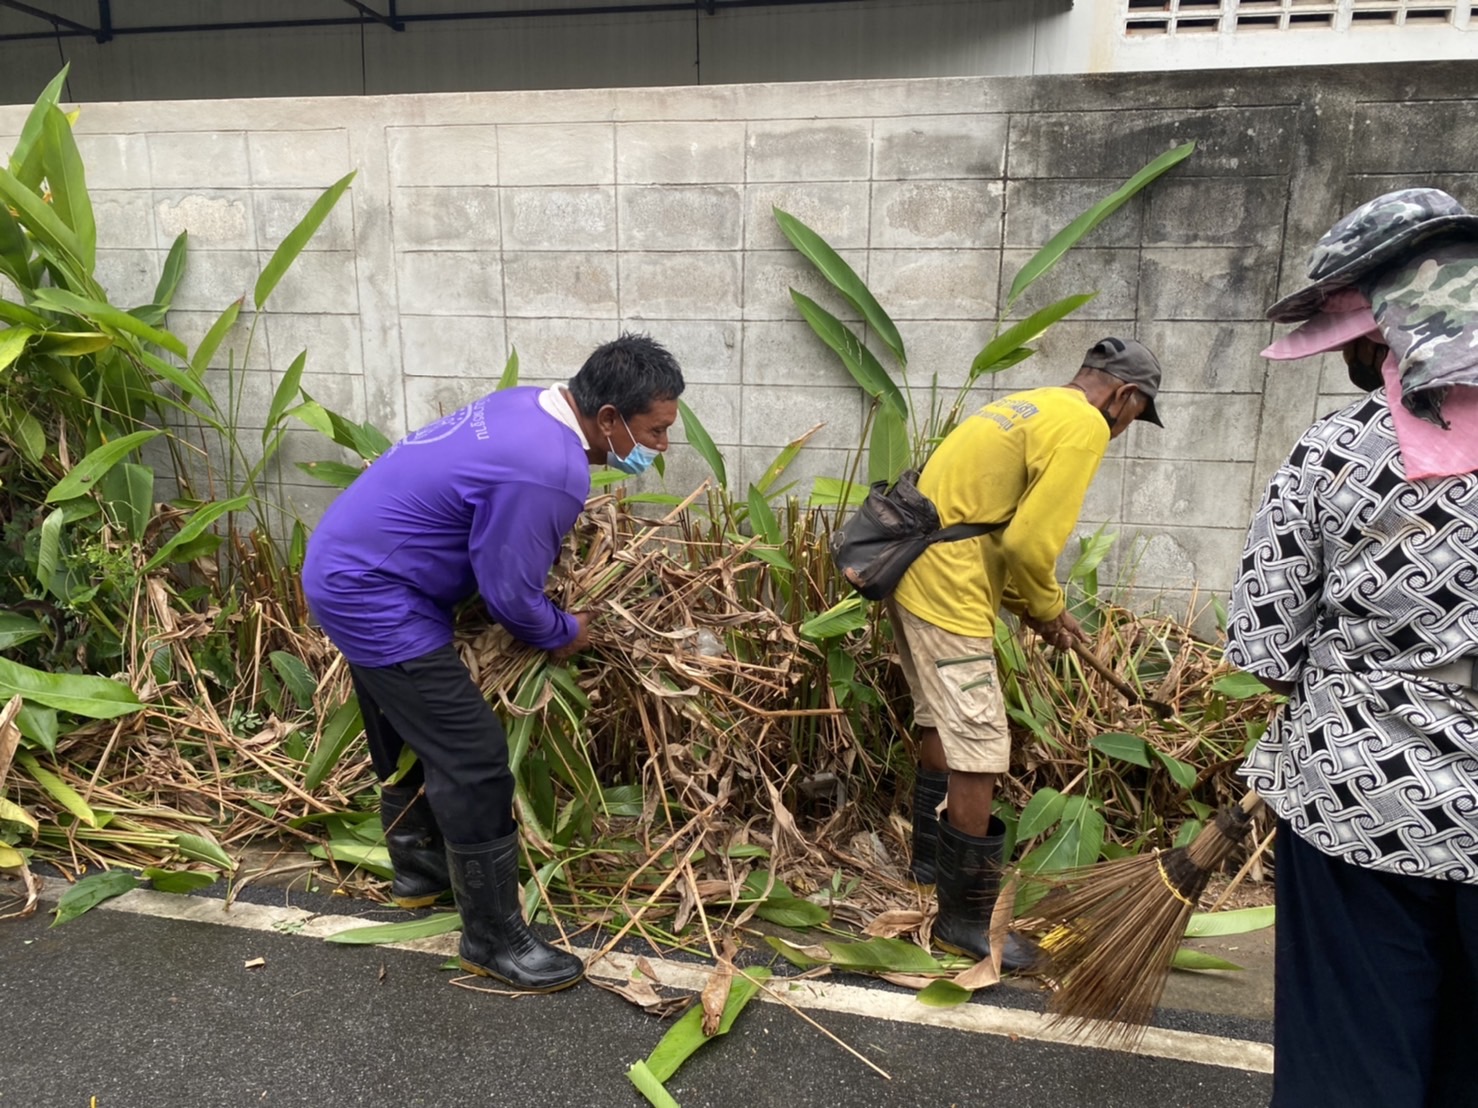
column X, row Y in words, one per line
column 1182, row 17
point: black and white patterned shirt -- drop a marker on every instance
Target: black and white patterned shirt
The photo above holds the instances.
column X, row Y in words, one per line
column 1354, row 579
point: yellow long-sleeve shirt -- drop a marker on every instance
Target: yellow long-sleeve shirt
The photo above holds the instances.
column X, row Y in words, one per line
column 1031, row 457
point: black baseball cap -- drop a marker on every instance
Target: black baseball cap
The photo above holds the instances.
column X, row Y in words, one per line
column 1132, row 362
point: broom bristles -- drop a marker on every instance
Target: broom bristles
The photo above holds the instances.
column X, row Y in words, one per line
column 1112, row 929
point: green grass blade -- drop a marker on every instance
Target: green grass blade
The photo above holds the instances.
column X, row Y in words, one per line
column 700, row 440
column 1069, row 236
column 842, row 278
column 865, row 369
column 762, row 518
column 1188, row 959
column 292, row 245
column 1000, row 352
column 1236, row 922
column 45, row 225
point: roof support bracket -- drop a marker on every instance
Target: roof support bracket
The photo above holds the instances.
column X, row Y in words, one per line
column 388, row 20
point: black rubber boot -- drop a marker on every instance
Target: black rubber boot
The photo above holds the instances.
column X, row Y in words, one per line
column 929, row 790
column 495, row 940
column 969, row 876
column 417, row 852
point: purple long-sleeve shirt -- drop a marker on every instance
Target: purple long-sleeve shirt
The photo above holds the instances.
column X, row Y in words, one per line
column 479, row 501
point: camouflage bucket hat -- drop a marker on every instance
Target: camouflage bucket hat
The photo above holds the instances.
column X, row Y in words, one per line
column 1375, row 234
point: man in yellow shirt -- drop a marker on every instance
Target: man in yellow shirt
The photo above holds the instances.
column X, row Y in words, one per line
column 1029, row 458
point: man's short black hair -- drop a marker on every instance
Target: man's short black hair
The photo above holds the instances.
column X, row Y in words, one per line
column 630, row 373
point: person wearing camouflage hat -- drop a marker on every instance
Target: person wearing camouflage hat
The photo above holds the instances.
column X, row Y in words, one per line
column 1358, row 599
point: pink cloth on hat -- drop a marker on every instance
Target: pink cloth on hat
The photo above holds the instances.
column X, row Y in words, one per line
column 1426, row 449
column 1346, row 315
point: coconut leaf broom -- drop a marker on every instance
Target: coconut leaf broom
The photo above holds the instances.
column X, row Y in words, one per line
column 1112, row 929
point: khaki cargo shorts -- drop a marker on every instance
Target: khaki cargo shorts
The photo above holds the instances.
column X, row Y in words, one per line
column 953, row 681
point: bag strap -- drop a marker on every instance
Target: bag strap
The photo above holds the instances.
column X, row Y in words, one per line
column 965, row 531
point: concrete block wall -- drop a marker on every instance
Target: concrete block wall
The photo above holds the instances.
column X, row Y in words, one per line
column 548, row 222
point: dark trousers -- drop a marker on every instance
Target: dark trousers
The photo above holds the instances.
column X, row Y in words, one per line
column 431, row 704
column 1377, row 996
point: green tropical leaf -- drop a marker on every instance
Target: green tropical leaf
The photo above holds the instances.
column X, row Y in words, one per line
column 376, row 859
column 203, row 850
column 68, row 181
column 1239, row 921
column 80, row 694
column 1188, row 959
column 56, row 788
column 686, row 1035
column 129, row 491
column 295, row 676
column 11, row 812
column 782, row 462
column 1182, row 774
column 45, row 225
column 1008, row 348
column 200, row 360
column 1060, row 243
column 89, row 892
column 1041, row 812
column 108, row 316
column 197, row 523
column 15, row 251
column 39, row 725
column 72, row 344
column 1127, row 748
column 830, row 492
column 1239, row 686
column 285, row 394
column 343, row 727
column 293, row 243
column 92, row 469
column 338, row 474
column 49, row 549
column 865, row 369
column 795, row 955
column 944, row 994
column 841, row 618
column 438, row 923
column 880, row 955
column 34, row 128
column 842, row 278
column 173, row 271
column 762, row 518
column 13, row 343
column 182, row 379
column 889, row 452
column 177, row 881
column 509, row 379
column 16, row 629
column 699, row 440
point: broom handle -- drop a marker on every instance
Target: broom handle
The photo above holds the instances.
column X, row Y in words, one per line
column 1107, row 674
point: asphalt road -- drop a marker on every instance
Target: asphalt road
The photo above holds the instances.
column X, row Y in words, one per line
column 125, row 1009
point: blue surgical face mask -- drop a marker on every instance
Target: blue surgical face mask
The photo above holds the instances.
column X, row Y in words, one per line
column 637, row 462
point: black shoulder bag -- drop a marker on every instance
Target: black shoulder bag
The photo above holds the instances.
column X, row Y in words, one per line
column 894, row 525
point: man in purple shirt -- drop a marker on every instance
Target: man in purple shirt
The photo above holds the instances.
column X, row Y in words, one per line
column 478, row 502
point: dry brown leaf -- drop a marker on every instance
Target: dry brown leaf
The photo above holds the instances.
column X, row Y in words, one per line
column 10, row 735
column 715, row 996
column 895, row 922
